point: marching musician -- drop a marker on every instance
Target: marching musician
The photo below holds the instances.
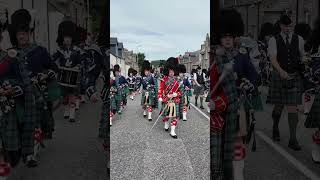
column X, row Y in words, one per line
column 199, row 86
column 313, row 117
column 121, row 83
column 286, row 50
column 17, row 109
column 132, row 82
column 37, row 62
column 228, row 151
column 68, row 56
column 148, row 90
column 169, row 94
column 185, row 89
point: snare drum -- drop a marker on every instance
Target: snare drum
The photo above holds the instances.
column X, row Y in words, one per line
column 69, row 77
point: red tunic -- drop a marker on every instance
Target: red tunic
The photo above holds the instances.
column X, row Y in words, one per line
column 220, row 101
column 169, row 86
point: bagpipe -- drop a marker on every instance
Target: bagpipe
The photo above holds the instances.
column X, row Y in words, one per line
column 8, row 93
column 247, row 91
column 311, row 70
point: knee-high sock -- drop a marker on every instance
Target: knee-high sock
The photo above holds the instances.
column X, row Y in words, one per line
column 276, row 115
column 201, row 101
column 293, row 119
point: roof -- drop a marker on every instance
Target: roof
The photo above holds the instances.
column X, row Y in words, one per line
column 113, row 40
column 120, row 45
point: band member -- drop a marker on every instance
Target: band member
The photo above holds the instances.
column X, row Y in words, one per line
column 185, row 89
column 17, row 110
column 40, row 68
column 199, row 86
column 132, row 82
column 138, row 82
column 229, row 67
column 286, row 50
column 169, row 93
column 313, row 74
column 121, row 83
column 68, row 59
column 148, row 90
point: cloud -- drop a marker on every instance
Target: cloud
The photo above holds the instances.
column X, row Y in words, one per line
column 160, row 29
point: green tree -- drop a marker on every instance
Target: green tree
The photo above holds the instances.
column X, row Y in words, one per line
column 141, row 58
column 162, row 63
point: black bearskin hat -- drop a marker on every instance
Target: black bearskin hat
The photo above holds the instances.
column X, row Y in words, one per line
column 303, row 30
column 285, row 19
column 267, row 29
column 67, row 28
column 82, row 34
column 230, row 23
column 135, row 72
column 20, row 21
column 145, row 66
column 130, row 70
column 172, row 63
column 182, row 68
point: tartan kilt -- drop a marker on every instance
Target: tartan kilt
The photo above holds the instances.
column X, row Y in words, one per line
column 313, row 118
column 152, row 98
column 113, row 103
column 166, row 111
column 39, row 104
column 256, row 102
column 222, row 145
column 279, row 95
column 104, row 122
column 54, row 91
column 118, row 100
column 199, row 90
column 10, row 132
column 182, row 104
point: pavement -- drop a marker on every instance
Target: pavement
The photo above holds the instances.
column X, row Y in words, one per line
column 74, row 153
column 139, row 153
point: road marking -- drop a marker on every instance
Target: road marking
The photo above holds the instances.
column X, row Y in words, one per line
column 302, row 168
column 306, row 171
column 195, row 107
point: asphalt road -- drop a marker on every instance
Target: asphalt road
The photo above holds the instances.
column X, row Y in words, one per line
column 137, row 152
column 74, row 153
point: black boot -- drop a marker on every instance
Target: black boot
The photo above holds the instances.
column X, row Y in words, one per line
column 293, row 122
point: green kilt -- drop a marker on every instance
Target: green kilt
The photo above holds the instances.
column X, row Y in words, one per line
column 113, row 103
column 222, row 145
column 54, row 91
column 181, row 105
column 255, row 102
column 152, row 98
column 313, row 118
column 10, row 132
column 166, row 111
column 199, row 90
column 278, row 94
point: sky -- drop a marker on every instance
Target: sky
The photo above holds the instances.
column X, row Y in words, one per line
column 160, row 28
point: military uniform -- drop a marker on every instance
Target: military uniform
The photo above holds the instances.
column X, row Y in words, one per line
column 131, row 83
column 185, row 88
column 148, row 91
column 17, row 111
column 169, row 86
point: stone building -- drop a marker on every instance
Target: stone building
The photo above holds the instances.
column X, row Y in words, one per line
column 131, row 59
column 257, row 12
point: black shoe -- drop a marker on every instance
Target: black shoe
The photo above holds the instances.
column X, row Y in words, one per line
column 150, row 119
column 201, row 107
column 196, row 104
column 72, row 120
column 175, row 136
column 166, row 129
column 32, row 163
column 276, row 135
column 294, row 145
column 66, row 117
